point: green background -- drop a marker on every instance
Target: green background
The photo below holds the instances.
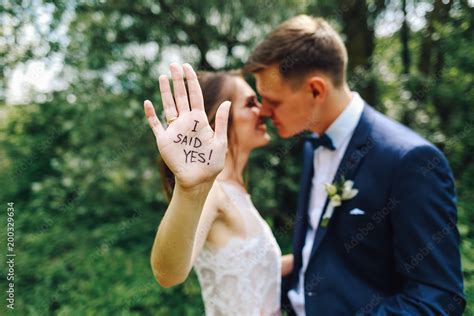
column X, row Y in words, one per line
column 80, row 162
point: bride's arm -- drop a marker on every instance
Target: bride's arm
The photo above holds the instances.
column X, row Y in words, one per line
column 286, row 264
column 181, row 234
column 195, row 165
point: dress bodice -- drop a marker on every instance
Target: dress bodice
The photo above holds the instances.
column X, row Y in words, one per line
column 243, row 276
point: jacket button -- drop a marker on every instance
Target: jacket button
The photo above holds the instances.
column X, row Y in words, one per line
column 311, row 293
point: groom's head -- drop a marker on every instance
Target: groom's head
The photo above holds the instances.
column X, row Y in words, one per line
column 300, row 68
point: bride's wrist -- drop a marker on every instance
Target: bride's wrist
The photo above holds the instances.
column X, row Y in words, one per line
column 194, row 191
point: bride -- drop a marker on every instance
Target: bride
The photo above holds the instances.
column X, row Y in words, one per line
column 211, row 223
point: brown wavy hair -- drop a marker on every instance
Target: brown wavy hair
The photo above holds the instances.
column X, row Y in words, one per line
column 216, row 88
column 300, row 46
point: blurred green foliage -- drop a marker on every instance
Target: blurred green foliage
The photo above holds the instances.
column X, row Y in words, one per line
column 80, row 162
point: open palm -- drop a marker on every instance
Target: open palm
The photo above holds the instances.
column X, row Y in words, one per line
column 190, row 148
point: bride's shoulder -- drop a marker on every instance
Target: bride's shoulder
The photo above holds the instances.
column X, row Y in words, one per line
column 215, row 197
column 219, row 197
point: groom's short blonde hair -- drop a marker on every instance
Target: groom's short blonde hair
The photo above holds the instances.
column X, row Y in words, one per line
column 300, row 46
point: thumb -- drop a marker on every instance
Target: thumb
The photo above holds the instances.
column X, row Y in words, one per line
column 153, row 120
column 222, row 118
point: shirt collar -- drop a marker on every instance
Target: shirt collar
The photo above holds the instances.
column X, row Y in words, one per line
column 345, row 124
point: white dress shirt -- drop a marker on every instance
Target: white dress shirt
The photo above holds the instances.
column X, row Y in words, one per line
column 326, row 163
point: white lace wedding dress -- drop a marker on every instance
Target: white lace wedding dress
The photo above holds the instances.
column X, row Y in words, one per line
column 242, row 277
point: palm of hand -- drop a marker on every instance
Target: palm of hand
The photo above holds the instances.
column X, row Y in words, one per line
column 189, row 147
column 190, row 150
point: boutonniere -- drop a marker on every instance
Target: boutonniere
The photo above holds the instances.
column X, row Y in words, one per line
column 337, row 192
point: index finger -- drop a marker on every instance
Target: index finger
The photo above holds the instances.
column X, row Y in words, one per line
column 195, row 92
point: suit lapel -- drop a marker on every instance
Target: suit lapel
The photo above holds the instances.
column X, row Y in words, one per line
column 301, row 220
column 356, row 151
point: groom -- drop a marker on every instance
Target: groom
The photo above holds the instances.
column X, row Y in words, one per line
column 383, row 243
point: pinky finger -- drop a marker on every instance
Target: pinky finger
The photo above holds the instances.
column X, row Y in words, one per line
column 153, row 120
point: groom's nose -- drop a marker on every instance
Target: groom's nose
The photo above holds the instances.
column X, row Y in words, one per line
column 265, row 110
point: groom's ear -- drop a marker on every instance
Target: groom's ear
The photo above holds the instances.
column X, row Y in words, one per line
column 318, row 87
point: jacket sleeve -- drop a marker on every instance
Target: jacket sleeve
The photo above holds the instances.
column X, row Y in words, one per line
column 426, row 240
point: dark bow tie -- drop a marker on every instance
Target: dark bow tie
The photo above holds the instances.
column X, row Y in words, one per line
column 324, row 140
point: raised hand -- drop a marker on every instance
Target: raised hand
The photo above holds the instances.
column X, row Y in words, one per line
column 190, row 148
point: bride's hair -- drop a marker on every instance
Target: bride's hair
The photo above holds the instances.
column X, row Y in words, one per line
column 217, row 87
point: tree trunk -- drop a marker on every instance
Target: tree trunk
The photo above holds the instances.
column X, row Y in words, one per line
column 439, row 14
column 404, row 37
column 360, row 46
column 444, row 110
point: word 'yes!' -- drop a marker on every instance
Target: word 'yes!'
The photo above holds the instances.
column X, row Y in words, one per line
column 192, row 155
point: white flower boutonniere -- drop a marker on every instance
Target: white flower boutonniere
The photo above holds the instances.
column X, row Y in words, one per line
column 337, row 192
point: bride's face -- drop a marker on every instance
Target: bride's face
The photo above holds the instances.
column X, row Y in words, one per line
column 248, row 126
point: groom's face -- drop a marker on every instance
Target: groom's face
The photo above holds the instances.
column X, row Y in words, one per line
column 289, row 107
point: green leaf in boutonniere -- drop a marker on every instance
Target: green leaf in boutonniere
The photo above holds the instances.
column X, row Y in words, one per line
column 324, row 222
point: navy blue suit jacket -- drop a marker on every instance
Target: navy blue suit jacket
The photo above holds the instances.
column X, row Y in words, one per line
column 401, row 257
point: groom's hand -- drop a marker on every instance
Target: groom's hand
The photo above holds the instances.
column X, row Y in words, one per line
column 189, row 147
column 286, row 264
